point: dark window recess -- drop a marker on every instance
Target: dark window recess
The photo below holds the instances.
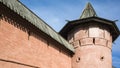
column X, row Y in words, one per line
column 78, row 59
column 93, row 40
column 28, row 35
column 102, row 58
column 79, row 43
column 0, row 15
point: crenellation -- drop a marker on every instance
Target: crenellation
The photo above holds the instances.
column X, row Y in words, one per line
column 86, row 41
column 109, row 44
column 101, row 32
column 76, row 44
column 80, row 32
column 107, row 34
column 99, row 41
column 96, row 34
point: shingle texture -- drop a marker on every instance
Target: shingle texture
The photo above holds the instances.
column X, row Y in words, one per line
column 88, row 12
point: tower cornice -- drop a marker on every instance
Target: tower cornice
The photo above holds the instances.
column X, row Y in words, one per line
column 72, row 24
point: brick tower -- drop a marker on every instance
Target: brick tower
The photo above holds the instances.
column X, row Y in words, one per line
column 92, row 39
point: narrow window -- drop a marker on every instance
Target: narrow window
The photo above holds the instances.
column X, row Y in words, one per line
column 102, row 58
column 93, row 40
column 28, row 35
column 78, row 59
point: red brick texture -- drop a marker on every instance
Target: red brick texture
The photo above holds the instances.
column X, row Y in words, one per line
column 20, row 49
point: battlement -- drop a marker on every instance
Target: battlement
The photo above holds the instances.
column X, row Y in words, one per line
column 90, row 34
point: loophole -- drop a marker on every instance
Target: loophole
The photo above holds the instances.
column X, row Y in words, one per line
column 78, row 59
column 102, row 58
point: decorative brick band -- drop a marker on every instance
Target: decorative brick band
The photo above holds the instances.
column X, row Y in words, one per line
column 92, row 41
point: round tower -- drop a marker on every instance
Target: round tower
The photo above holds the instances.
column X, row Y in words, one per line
column 92, row 39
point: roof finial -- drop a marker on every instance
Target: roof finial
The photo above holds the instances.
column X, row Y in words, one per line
column 88, row 11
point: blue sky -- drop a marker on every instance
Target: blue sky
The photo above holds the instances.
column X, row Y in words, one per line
column 55, row 12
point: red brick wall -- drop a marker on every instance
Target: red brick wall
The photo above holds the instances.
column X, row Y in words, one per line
column 18, row 49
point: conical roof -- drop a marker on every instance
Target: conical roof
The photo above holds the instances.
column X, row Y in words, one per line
column 88, row 12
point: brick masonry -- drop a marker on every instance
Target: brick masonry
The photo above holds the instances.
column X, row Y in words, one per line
column 24, row 46
column 92, row 43
column 21, row 47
